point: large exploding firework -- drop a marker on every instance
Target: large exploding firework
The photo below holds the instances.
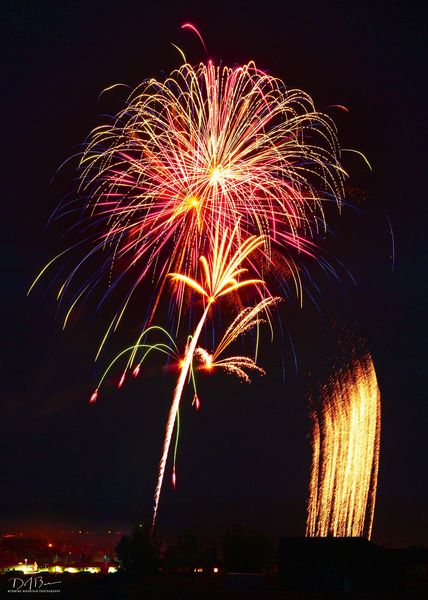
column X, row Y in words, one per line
column 209, row 146
column 197, row 187
column 345, row 458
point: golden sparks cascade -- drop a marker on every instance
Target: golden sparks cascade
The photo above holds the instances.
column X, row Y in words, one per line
column 345, row 454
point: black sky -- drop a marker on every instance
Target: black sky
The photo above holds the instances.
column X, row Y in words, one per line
column 246, row 455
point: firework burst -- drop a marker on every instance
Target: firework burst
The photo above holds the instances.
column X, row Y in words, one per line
column 209, row 146
column 202, row 180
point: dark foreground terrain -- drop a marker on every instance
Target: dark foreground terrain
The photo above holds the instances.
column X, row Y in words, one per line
column 180, row 587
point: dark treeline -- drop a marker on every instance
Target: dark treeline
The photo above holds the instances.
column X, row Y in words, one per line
column 241, row 549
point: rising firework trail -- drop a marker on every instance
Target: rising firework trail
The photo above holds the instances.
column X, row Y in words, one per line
column 345, row 454
column 221, row 276
column 210, row 180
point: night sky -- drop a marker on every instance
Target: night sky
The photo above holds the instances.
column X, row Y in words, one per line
column 245, row 457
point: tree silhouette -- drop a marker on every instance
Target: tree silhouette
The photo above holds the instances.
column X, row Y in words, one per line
column 138, row 552
column 247, row 550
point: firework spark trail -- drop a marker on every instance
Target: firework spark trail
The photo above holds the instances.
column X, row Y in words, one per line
column 233, row 364
column 221, row 277
column 172, row 417
column 133, row 364
column 345, row 458
column 246, row 320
